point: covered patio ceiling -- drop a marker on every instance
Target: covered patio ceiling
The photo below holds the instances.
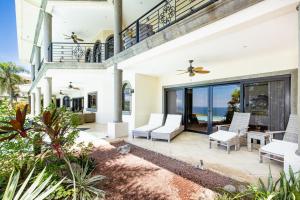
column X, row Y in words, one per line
column 260, row 40
column 83, row 79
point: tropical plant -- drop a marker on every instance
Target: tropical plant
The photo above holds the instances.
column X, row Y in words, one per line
column 85, row 183
column 15, row 126
column 38, row 190
column 10, row 78
column 286, row 187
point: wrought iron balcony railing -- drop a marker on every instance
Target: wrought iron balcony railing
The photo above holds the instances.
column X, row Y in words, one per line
column 77, row 52
column 160, row 17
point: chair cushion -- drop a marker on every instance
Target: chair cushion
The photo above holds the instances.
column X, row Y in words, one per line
column 222, row 136
column 173, row 121
column 292, row 130
column 146, row 128
column 165, row 130
column 279, row 147
column 156, row 120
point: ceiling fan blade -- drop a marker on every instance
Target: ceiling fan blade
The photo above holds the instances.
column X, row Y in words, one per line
column 198, row 68
column 81, row 40
column 76, row 88
column 202, row 72
column 183, row 73
column 181, row 70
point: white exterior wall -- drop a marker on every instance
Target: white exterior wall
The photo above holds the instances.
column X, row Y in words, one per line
column 145, row 99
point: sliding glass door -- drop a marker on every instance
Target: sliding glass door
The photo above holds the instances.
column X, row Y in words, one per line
column 175, row 101
column 206, row 107
column 197, row 107
column 225, row 101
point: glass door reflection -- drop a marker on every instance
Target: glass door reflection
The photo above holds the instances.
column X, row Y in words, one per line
column 197, row 109
column 225, row 101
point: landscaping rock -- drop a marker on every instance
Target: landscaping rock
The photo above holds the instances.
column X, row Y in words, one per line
column 124, row 149
column 241, row 188
column 229, row 188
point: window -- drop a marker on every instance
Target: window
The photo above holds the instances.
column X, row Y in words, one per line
column 92, row 102
column 109, row 47
column 126, row 98
column 66, row 101
column 78, row 104
column 57, row 103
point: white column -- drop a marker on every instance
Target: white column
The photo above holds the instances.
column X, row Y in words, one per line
column 47, row 92
column 298, row 151
column 37, row 59
column 47, row 35
column 32, row 103
column 117, row 128
column 117, row 72
column 32, row 72
column 38, row 101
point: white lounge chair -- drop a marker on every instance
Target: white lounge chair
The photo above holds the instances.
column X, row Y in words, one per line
column 170, row 130
column 238, row 128
column 155, row 121
column 276, row 149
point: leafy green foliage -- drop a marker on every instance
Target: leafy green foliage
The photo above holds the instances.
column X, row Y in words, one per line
column 286, row 187
column 38, row 190
column 24, row 146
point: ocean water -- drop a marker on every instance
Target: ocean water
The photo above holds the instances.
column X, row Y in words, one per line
column 220, row 111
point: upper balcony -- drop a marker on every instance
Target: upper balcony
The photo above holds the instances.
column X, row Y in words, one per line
column 158, row 18
column 163, row 15
column 79, row 52
column 162, row 23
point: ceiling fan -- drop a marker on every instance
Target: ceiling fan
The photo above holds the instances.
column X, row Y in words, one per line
column 73, row 37
column 72, row 87
column 192, row 71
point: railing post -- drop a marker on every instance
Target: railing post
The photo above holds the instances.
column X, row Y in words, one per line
column 137, row 25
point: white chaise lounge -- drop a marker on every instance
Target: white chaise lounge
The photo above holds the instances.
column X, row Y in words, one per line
column 155, row 121
column 231, row 137
column 171, row 129
column 277, row 149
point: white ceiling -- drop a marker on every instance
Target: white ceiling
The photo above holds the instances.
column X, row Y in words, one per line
column 272, row 32
column 87, row 19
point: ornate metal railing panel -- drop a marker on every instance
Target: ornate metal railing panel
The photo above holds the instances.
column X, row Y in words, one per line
column 77, row 52
column 160, row 17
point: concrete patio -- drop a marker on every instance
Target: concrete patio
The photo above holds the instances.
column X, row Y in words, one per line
column 192, row 147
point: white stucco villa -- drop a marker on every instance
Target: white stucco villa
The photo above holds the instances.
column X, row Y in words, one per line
column 120, row 60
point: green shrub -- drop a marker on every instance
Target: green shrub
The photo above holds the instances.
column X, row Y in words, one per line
column 286, row 187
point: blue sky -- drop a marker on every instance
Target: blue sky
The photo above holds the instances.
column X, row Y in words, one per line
column 8, row 33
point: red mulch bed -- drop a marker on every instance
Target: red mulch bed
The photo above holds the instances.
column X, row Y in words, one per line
column 122, row 180
column 205, row 178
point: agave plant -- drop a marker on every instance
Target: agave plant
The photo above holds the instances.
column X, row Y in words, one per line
column 38, row 190
column 15, row 126
column 85, row 183
column 287, row 187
